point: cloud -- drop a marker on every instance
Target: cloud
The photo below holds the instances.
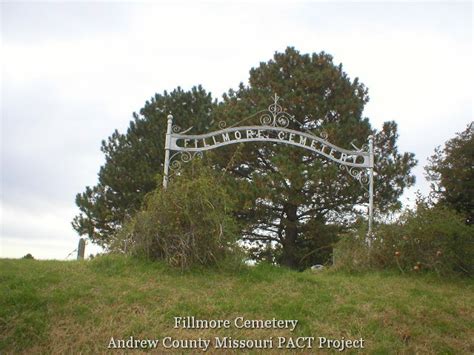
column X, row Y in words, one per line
column 42, row 233
column 33, row 23
column 74, row 72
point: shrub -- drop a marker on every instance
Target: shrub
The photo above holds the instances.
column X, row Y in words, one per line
column 351, row 252
column 427, row 238
column 189, row 223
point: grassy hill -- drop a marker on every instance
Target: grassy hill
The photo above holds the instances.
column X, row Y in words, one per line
column 70, row 306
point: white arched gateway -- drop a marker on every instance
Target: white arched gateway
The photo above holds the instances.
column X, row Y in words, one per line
column 274, row 122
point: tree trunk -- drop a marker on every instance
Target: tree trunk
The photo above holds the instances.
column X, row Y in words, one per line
column 289, row 257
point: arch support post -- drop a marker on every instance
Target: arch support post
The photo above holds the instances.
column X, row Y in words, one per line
column 166, row 164
column 371, row 187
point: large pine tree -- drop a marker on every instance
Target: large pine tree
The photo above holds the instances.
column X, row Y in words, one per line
column 294, row 201
column 134, row 160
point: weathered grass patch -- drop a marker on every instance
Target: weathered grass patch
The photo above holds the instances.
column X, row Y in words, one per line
column 54, row 306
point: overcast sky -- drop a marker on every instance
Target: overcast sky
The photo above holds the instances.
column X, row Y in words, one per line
column 71, row 73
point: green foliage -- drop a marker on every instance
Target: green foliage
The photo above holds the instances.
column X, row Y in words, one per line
column 132, row 161
column 189, row 223
column 433, row 238
column 351, row 252
column 293, row 201
column 315, row 246
column 451, row 171
column 290, row 202
column 28, row 256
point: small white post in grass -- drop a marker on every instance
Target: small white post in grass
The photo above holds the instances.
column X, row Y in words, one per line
column 81, row 248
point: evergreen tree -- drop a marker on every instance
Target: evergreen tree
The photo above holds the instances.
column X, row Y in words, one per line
column 133, row 160
column 451, row 172
column 294, row 199
column 291, row 202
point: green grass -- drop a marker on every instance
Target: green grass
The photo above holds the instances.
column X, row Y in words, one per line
column 72, row 307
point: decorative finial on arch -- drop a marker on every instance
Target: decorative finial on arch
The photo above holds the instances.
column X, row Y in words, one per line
column 275, row 116
column 275, row 99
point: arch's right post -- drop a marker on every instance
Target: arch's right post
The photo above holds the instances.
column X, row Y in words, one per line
column 371, row 186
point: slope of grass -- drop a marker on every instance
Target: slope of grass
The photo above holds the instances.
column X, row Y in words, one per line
column 64, row 307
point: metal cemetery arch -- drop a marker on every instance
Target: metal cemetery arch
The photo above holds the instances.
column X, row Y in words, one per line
column 274, row 122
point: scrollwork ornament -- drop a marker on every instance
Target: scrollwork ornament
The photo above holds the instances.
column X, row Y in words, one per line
column 324, row 135
column 266, row 119
column 364, row 148
column 274, row 108
column 184, row 157
column 359, row 175
column 175, row 165
column 275, row 115
column 283, row 121
column 176, row 129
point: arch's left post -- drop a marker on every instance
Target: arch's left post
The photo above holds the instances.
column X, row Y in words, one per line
column 167, row 152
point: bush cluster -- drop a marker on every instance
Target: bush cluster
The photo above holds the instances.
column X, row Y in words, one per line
column 189, row 223
column 433, row 238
